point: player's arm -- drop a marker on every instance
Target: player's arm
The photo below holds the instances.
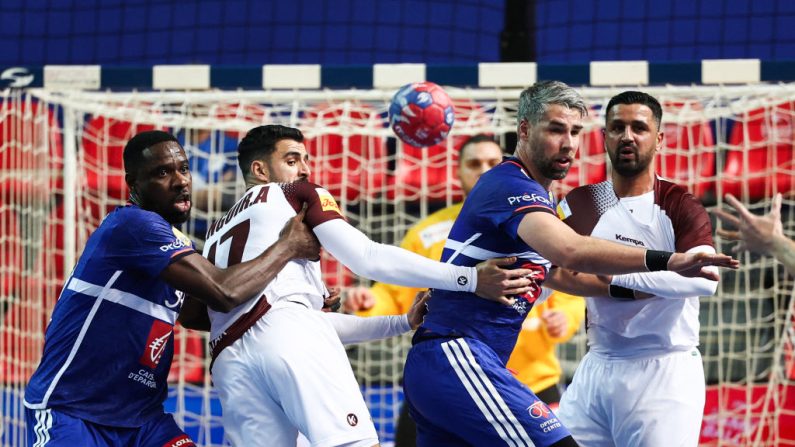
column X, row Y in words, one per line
column 670, row 284
column 225, row 289
column 394, row 265
column 576, row 283
column 355, row 329
column 558, row 243
column 389, row 299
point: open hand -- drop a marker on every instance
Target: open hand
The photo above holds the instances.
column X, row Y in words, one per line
column 499, row 284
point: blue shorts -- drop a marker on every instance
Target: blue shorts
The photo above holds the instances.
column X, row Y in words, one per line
column 461, row 394
column 51, row 428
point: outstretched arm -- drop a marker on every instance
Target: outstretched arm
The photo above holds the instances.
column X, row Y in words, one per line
column 558, row 243
column 394, row 265
column 354, row 329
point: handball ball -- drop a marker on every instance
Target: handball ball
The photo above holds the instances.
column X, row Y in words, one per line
column 421, row 114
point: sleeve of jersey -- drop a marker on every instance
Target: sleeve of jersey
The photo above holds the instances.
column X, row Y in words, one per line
column 321, row 206
column 511, row 200
column 150, row 244
column 692, row 227
column 670, row 284
column 390, row 264
column 352, row 329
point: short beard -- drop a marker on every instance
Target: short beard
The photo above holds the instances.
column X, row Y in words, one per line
column 624, row 169
column 547, row 167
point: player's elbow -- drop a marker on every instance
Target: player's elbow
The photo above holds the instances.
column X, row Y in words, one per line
column 221, row 298
column 707, row 287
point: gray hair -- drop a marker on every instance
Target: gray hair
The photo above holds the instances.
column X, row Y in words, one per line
column 535, row 100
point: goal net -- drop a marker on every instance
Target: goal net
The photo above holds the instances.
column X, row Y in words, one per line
column 61, row 172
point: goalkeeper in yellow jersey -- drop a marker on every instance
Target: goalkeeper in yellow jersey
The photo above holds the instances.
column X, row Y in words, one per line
column 551, row 322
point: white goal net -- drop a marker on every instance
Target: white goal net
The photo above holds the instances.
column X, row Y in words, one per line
column 61, row 172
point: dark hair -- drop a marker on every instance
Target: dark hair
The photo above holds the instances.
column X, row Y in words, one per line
column 133, row 150
column 475, row 139
column 261, row 141
column 634, row 97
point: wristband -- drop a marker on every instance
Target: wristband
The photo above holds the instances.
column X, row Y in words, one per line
column 657, row 260
column 621, row 292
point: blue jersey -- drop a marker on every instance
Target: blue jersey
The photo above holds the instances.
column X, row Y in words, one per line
column 108, row 347
column 487, row 228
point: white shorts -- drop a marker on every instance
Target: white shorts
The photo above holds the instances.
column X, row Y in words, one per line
column 290, row 373
column 649, row 402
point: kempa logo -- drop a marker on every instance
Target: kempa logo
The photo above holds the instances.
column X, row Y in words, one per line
column 513, row 200
column 352, row 420
column 630, row 240
column 19, row 77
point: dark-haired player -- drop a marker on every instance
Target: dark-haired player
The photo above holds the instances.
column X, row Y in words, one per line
column 279, row 364
column 108, row 347
column 455, row 379
column 650, row 344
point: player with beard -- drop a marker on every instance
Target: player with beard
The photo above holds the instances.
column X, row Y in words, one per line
column 108, row 347
column 455, row 379
column 642, row 381
column 279, row 365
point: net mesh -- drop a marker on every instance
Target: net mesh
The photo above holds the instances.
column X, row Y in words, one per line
column 61, row 172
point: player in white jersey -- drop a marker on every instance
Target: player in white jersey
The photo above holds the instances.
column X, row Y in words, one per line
column 279, row 364
column 642, row 381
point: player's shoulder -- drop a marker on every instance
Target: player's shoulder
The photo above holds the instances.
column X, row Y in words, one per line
column 595, row 198
column 669, row 195
column 596, row 191
column 133, row 216
column 508, row 177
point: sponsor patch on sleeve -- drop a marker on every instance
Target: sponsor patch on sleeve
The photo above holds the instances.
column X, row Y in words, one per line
column 563, row 210
column 180, row 241
column 327, row 202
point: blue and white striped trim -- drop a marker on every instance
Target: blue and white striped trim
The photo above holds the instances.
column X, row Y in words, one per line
column 125, row 299
column 390, row 76
column 484, row 394
column 101, row 293
column 42, row 427
column 481, row 254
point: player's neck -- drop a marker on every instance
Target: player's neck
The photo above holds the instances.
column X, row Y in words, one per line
column 531, row 170
column 633, row 186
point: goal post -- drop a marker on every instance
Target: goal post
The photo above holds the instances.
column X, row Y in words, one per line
column 61, row 160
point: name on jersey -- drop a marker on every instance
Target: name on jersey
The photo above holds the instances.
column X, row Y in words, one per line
column 513, row 200
column 248, row 200
column 636, row 242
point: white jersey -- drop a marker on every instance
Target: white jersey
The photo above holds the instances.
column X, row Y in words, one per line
column 251, row 226
column 667, row 218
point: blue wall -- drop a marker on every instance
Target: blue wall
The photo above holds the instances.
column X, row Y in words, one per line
column 248, row 32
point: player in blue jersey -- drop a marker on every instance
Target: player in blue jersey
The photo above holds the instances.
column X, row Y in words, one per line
column 108, row 347
column 455, row 379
